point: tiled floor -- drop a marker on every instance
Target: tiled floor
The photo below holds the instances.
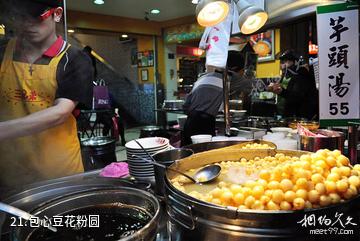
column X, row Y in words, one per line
column 130, row 134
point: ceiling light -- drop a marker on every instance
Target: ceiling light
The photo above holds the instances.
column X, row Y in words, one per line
column 251, row 18
column 211, row 12
column 154, row 11
column 124, row 36
column 99, row 2
column 71, row 31
column 195, row 1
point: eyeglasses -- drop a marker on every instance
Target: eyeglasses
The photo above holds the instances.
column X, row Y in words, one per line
column 46, row 14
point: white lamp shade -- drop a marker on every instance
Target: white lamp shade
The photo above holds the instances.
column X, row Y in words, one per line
column 211, row 12
column 251, row 18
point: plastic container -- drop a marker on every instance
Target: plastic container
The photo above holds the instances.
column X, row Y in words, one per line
column 200, row 138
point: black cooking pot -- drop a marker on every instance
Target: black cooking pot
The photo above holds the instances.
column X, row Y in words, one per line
column 98, row 152
column 138, row 204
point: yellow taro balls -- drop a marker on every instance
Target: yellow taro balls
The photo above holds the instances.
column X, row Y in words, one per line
column 357, row 167
column 313, row 196
column 302, row 183
column 286, row 185
column 345, row 171
column 317, row 178
column 258, row 191
column 333, row 177
column 265, row 174
column 354, row 180
column 272, row 206
column 226, row 197
column 325, row 200
column 273, row 185
column 342, row 160
column 239, row 198
column 289, row 196
column 277, row 196
column 335, row 198
column 284, row 205
column 330, row 161
column 342, row 186
column 299, row 203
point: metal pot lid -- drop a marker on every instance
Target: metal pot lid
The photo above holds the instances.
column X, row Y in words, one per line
column 97, row 141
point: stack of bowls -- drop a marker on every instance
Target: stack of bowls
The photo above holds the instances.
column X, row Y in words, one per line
column 139, row 168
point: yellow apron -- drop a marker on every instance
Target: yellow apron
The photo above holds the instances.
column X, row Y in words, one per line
column 49, row 154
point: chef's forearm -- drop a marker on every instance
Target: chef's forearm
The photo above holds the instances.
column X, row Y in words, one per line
column 36, row 122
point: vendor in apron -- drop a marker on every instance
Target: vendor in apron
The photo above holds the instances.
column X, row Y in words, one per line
column 42, row 79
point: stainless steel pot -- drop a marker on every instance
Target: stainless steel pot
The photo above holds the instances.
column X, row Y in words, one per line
column 193, row 219
column 138, row 199
column 150, row 131
column 167, row 158
column 333, row 140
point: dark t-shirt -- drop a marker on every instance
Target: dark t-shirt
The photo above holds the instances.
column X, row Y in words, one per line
column 74, row 75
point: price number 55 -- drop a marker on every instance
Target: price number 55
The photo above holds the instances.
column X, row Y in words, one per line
column 334, row 108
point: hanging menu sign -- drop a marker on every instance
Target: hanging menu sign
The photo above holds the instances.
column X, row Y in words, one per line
column 338, row 39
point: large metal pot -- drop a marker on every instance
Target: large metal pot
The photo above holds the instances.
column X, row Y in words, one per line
column 332, row 140
column 193, row 219
column 167, row 158
column 137, row 200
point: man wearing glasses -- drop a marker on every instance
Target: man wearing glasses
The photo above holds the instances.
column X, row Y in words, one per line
column 42, row 79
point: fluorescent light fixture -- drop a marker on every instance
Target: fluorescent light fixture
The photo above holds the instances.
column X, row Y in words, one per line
column 154, row 11
column 251, row 18
column 195, row 1
column 211, row 12
column 71, row 31
column 99, row 2
column 124, row 36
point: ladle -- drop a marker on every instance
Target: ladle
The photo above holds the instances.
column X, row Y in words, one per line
column 24, row 215
column 205, row 174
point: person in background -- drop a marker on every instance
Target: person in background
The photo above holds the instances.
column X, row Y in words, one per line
column 297, row 87
column 204, row 101
column 108, row 118
column 42, row 79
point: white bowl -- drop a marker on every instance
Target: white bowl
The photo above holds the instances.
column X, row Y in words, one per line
column 237, row 138
column 200, row 138
column 220, row 138
column 155, row 143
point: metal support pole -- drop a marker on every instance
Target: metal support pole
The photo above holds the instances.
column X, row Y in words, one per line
column 352, row 142
column 226, row 90
column 65, row 21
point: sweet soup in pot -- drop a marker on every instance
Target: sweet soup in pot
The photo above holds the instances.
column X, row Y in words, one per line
column 279, row 182
column 115, row 222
